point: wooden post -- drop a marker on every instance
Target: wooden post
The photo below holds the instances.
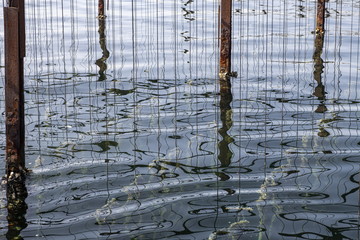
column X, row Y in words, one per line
column 14, row 33
column 225, row 38
column 225, row 21
column 318, row 61
column 16, row 192
column 101, row 9
column 320, row 17
column 20, row 4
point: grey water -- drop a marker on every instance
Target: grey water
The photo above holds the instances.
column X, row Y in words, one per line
column 130, row 136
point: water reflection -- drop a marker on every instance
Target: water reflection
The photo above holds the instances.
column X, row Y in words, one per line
column 318, row 70
column 225, row 153
column 101, row 62
column 319, row 91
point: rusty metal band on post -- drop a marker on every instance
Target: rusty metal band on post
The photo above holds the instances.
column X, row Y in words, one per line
column 14, row 89
column 225, row 37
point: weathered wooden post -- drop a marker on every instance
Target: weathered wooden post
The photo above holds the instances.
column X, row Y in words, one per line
column 225, row 23
column 16, row 192
column 320, row 16
column 225, row 38
column 318, row 61
column 101, row 9
column 14, row 33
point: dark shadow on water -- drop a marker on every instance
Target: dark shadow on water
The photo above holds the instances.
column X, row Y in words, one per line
column 16, row 195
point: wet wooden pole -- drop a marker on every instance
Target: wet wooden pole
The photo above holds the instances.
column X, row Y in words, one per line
column 225, row 38
column 101, row 9
column 16, row 192
column 320, row 17
column 14, row 34
column 318, row 61
column 225, row 23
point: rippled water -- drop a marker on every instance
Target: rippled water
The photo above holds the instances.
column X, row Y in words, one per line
column 129, row 137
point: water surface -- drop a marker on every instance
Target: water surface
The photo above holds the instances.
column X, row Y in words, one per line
column 129, row 137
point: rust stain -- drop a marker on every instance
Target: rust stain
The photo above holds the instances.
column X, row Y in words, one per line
column 14, row 36
column 320, row 17
column 225, row 38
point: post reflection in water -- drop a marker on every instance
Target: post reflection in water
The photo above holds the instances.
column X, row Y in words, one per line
column 16, row 195
column 225, row 153
column 319, row 91
column 318, row 70
column 101, row 62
